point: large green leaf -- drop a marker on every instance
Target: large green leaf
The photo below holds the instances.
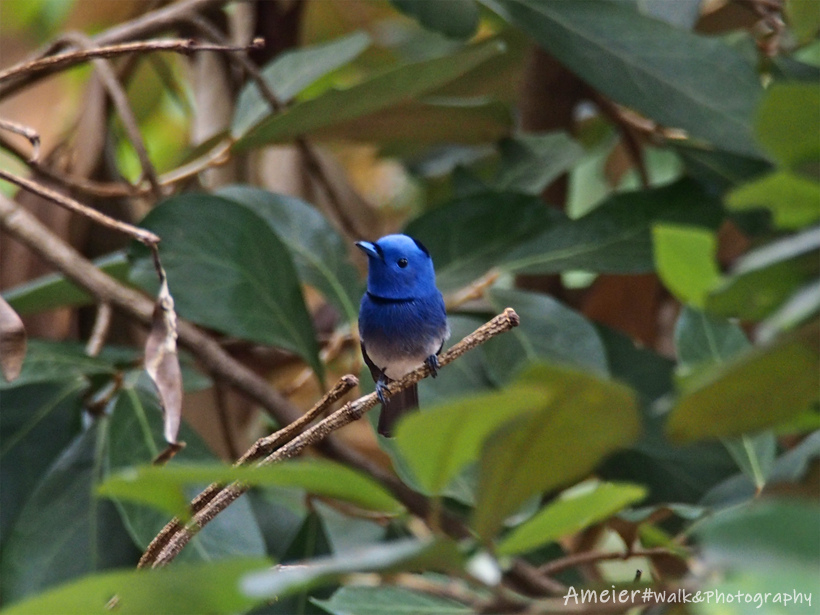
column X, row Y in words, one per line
column 437, row 443
column 136, row 437
column 54, row 290
column 319, row 251
column 211, row 587
column 163, row 487
column 471, row 235
column 706, row 342
column 758, row 389
column 766, row 277
column 672, row 473
column 396, row 86
column 793, row 200
column 787, row 124
column 290, row 73
column 529, row 162
column 31, row 416
column 579, row 419
column 573, row 511
column 549, row 332
column 455, row 18
column 389, row 600
column 62, row 532
column 674, row 76
column 686, row 261
column 229, row 271
column 616, row 236
column 395, row 556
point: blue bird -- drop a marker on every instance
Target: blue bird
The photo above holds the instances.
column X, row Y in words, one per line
column 402, row 321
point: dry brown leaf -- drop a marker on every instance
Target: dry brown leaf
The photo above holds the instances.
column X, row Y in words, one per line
column 12, row 342
column 162, row 361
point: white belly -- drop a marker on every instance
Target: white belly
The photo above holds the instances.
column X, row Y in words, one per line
column 397, row 367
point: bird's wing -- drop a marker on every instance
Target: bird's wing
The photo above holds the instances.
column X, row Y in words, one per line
column 374, row 371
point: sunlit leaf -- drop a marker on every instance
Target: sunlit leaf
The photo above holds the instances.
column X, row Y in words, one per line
column 579, row 420
column 686, row 260
column 210, row 587
column 573, row 511
column 793, row 200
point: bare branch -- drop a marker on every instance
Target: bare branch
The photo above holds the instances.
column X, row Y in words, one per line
column 117, row 94
column 100, row 331
column 579, row 559
column 26, row 131
column 146, row 237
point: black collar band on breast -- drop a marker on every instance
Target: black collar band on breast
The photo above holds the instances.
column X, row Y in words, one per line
column 378, row 299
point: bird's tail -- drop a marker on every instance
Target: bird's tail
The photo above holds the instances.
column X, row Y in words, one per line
column 403, row 401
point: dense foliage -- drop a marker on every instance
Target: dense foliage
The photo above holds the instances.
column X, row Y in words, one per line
column 660, row 395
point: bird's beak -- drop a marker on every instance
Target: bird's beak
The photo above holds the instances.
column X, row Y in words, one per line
column 368, row 248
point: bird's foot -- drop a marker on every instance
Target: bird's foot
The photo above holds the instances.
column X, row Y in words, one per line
column 432, row 363
column 380, row 388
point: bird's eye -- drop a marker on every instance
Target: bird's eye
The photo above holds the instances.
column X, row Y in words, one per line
column 402, row 262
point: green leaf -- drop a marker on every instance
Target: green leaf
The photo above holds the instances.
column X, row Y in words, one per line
column 163, row 487
column 319, row 251
column 49, row 362
column 290, row 73
column 703, row 339
column 787, row 124
column 439, row 442
column 229, row 271
column 705, row 342
column 469, row 236
column 396, row 86
column 573, row 511
column 455, row 18
column 549, row 332
column 696, row 83
column 615, row 237
column 31, row 416
column 579, row 419
column 54, row 290
column 793, row 200
column 387, row 600
column 530, row 162
column 764, row 535
column 804, row 18
column 210, row 587
column 686, row 261
column 755, row 382
column 61, row 531
column 396, row 556
column 766, row 277
column 136, row 437
column 719, row 171
column 463, row 121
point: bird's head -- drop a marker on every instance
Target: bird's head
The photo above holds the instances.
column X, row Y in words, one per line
column 399, row 267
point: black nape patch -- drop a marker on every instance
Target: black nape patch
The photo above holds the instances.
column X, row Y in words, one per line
column 420, row 245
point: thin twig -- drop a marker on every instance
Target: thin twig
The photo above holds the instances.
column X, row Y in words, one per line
column 579, row 559
column 26, row 131
column 220, row 396
column 347, row 414
column 87, row 53
column 119, row 98
column 74, row 182
column 146, row 237
column 102, row 323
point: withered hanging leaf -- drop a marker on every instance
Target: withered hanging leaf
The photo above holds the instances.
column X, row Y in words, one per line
column 12, row 342
column 162, row 361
